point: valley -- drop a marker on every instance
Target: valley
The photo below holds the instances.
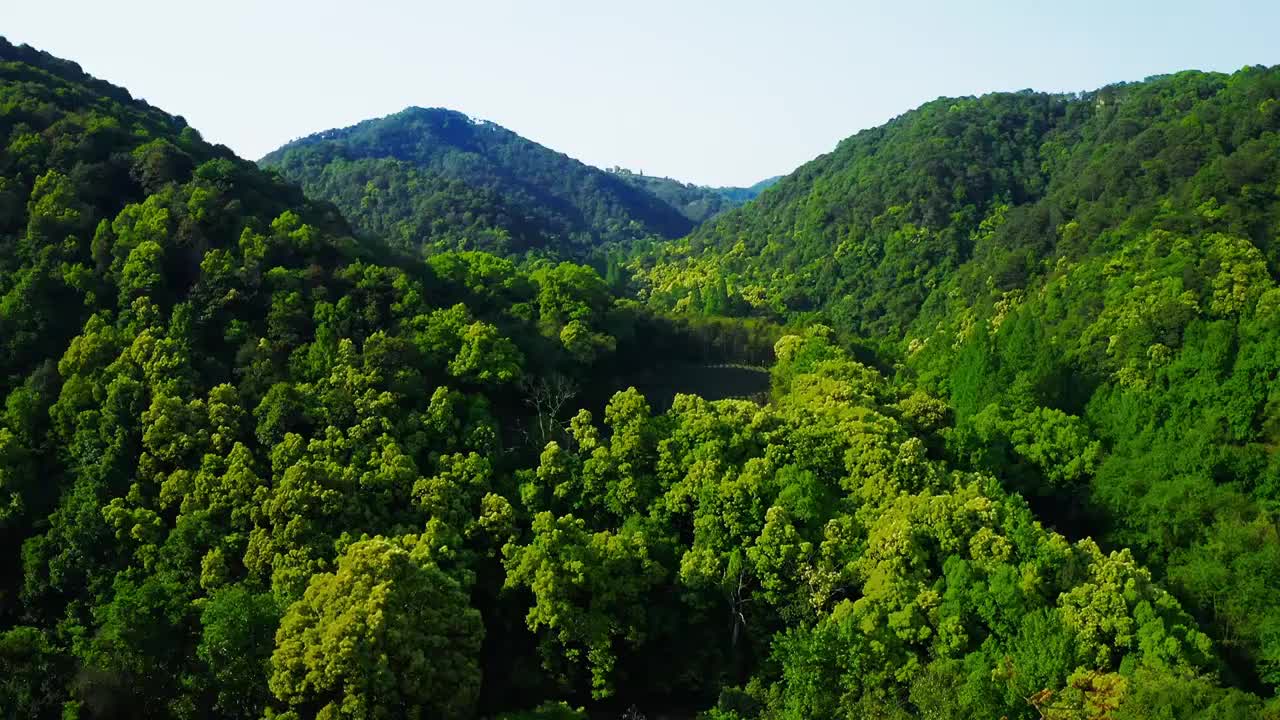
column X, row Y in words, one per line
column 973, row 416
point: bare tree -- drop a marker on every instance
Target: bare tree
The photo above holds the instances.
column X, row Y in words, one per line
column 548, row 396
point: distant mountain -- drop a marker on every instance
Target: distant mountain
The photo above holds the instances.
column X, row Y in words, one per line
column 171, row 315
column 438, row 178
column 699, row 203
column 742, row 196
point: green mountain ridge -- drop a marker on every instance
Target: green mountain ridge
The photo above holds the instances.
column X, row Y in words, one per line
column 394, row 177
column 699, row 203
column 171, row 315
column 1090, row 278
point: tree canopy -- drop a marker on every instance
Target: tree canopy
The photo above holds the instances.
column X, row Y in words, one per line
column 438, row 179
column 1015, row 456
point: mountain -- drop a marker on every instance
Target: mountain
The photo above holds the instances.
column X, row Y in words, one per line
column 212, row 392
column 1090, row 279
column 825, row 234
column 867, row 230
column 741, row 196
column 254, row 467
column 439, row 179
column 699, row 203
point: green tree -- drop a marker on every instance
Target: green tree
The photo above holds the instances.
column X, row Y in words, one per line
column 589, row 591
column 385, row 636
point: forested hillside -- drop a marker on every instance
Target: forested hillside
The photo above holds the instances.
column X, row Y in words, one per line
column 742, row 196
column 255, row 465
column 699, row 203
column 438, row 179
column 1090, row 281
column 212, row 393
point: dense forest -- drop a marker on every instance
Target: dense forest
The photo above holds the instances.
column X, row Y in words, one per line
column 262, row 457
column 1089, row 280
column 440, row 180
column 699, row 203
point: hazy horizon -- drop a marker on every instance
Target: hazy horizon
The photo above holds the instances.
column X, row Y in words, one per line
column 714, row 94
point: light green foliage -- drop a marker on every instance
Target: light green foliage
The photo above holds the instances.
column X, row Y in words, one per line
column 564, row 564
column 1057, row 445
column 486, row 356
column 1088, row 280
column 384, row 636
column 253, row 468
column 1116, row 607
column 581, row 343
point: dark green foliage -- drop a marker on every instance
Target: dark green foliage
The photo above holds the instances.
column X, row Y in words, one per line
column 438, row 179
column 251, row 467
column 1090, row 279
column 741, row 196
column 210, row 392
column 699, row 203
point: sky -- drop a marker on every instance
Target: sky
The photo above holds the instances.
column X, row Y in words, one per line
column 705, row 91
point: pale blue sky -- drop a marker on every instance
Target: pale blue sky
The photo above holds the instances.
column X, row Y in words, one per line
column 705, row 91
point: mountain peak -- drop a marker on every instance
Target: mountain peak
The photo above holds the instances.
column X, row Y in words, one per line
column 533, row 198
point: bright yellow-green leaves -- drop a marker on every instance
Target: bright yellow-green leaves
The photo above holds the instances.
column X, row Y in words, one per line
column 1056, row 443
column 486, row 356
column 1118, row 609
column 590, row 591
column 583, row 344
column 252, row 467
column 383, row 636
